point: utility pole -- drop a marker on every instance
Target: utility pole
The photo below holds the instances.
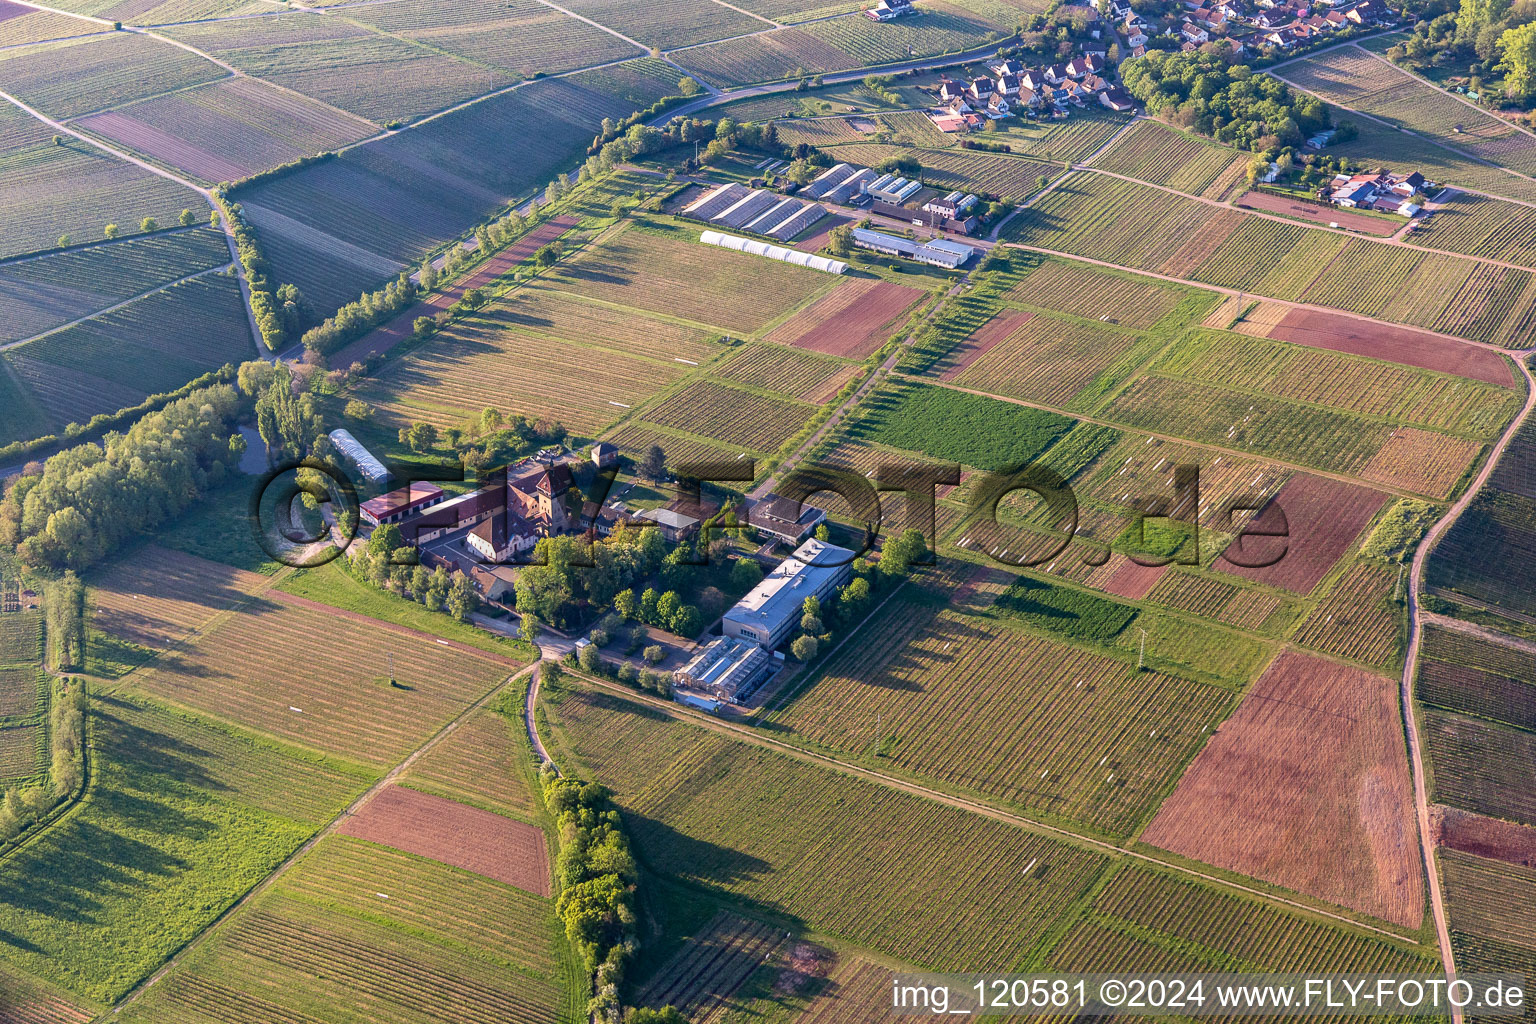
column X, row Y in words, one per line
column 391, row 656
column 1141, row 659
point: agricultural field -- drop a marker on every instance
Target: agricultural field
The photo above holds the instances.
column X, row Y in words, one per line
column 984, row 433
column 712, row 966
column 345, row 225
column 671, row 23
column 356, row 931
column 1086, row 215
column 478, row 764
column 1360, row 618
column 764, row 57
column 1074, row 139
column 1084, row 291
column 1209, row 596
column 1484, row 553
column 75, row 189
column 786, row 371
column 1264, row 426
column 149, row 347
column 1153, row 153
column 22, row 25
column 41, row 294
column 636, row 439
column 341, row 63
column 1481, row 226
column 523, row 37
column 1238, row 933
column 227, row 130
column 1338, row 333
column 182, row 818
column 1491, row 898
column 20, row 637
column 1051, row 361
column 636, row 82
column 481, row 842
column 732, row 416
column 471, row 366
column 1422, row 461
column 1369, row 388
column 837, row 44
column 161, row 597
column 1080, row 736
column 853, row 319
column 1307, row 786
column 316, row 689
column 1300, row 534
column 1481, row 766
column 1351, row 77
column 774, row 842
column 994, row 174
column 538, row 308
column 668, row 271
column 30, row 1001
column 79, row 76
column 1476, row 676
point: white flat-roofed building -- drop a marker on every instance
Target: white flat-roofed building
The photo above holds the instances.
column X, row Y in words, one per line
column 771, row 611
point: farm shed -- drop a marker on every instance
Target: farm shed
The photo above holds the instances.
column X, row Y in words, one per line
column 770, row 612
column 372, row 469
column 940, row 252
column 773, row 252
column 396, row 505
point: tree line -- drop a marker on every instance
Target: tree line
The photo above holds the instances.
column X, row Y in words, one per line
column 597, row 878
column 85, row 502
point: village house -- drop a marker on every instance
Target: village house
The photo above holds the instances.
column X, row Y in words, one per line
column 1135, row 37
column 1193, row 34
column 1117, row 99
column 1005, row 67
column 1082, row 66
column 981, row 90
column 1008, row 85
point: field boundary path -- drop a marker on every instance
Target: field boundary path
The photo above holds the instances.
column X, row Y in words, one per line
column 1479, row 630
column 750, row 735
column 1416, row 619
column 202, row 937
column 529, row 720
